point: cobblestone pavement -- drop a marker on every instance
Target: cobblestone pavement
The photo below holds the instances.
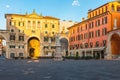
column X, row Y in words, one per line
column 48, row 69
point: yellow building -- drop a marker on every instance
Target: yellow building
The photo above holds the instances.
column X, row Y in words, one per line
column 30, row 35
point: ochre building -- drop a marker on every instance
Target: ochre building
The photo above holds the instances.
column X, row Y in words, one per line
column 95, row 36
column 30, row 35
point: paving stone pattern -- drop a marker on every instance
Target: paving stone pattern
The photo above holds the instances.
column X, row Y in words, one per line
column 48, row 69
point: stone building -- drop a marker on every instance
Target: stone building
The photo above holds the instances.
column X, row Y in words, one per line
column 33, row 35
column 30, row 35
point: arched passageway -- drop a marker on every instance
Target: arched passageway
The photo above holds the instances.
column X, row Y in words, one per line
column 64, row 46
column 34, row 47
column 115, row 45
column 2, row 45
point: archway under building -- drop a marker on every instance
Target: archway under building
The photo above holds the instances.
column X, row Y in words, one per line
column 3, row 49
column 64, row 46
column 34, row 47
column 115, row 45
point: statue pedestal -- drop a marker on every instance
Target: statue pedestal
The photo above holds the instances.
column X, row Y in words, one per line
column 58, row 54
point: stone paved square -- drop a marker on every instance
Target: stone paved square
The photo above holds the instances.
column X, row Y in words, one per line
column 48, row 69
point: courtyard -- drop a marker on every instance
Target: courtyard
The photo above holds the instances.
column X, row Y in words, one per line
column 48, row 69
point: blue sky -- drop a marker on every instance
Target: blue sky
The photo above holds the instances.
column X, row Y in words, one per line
column 62, row 9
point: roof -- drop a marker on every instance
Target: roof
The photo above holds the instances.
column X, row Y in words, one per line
column 50, row 17
column 33, row 15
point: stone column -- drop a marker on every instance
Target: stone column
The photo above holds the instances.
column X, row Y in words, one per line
column 108, row 50
column 7, row 51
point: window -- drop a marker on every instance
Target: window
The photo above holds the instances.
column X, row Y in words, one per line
column 89, row 34
column 81, row 36
column 92, row 24
column 97, row 44
column 96, row 13
column 78, row 29
column 106, row 8
column 12, row 46
column 86, row 26
column 46, row 32
column 53, row 26
column 20, row 54
column 118, row 8
column 92, row 34
column 102, row 10
column 21, row 31
column 91, row 44
column 93, row 14
column 21, row 46
column 105, row 20
column 81, row 28
column 86, row 45
column 12, row 55
column 12, row 30
column 98, row 23
column 53, row 32
column 34, row 23
column 38, row 25
column 104, row 31
column 46, row 47
column 98, row 33
column 104, row 43
column 19, row 24
column 89, row 25
column 112, row 7
column 46, row 25
column 29, row 24
column 21, row 38
column 81, row 45
column 53, row 47
column 12, row 37
column 12, row 23
column 46, row 39
column 52, row 39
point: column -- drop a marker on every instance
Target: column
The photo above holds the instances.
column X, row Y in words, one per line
column 108, row 50
column 7, row 50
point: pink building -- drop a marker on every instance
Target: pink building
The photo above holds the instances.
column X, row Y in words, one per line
column 89, row 37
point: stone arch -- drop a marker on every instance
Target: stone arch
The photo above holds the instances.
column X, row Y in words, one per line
column 4, row 36
column 64, row 45
column 4, row 49
column 33, row 47
column 115, row 44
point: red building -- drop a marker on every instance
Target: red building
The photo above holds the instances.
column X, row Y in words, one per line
column 89, row 37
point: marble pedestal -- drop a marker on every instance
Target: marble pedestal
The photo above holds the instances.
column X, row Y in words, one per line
column 58, row 54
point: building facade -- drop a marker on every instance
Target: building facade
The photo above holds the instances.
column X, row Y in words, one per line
column 33, row 35
column 30, row 35
column 90, row 36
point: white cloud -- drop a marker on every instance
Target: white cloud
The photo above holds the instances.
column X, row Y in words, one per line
column 7, row 6
column 75, row 3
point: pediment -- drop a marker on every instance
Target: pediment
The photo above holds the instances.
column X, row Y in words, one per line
column 34, row 15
